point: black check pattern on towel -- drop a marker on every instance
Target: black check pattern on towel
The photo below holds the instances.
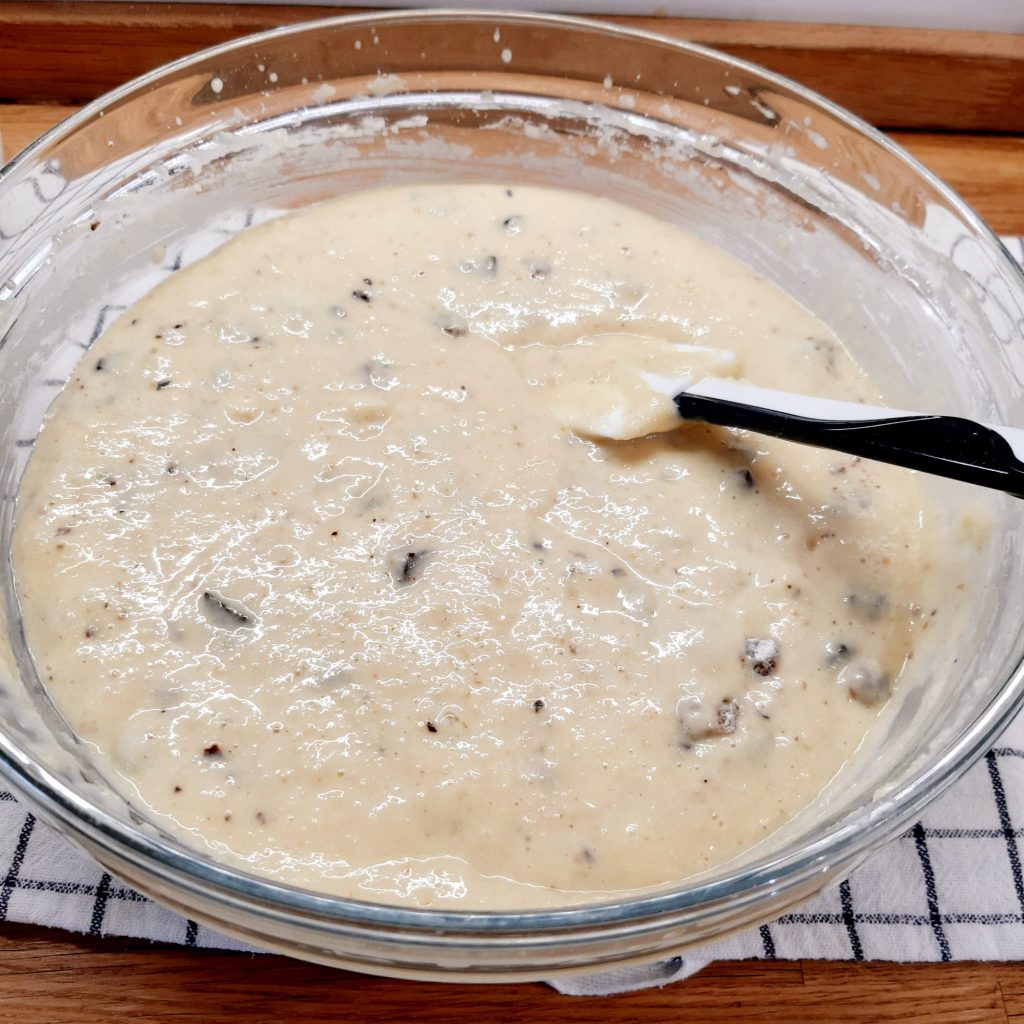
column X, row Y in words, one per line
column 942, row 891
column 950, row 888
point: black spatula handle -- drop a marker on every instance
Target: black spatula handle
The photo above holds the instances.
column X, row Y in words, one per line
column 944, row 445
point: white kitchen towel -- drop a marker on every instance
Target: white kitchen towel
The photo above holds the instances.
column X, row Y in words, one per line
column 950, row 888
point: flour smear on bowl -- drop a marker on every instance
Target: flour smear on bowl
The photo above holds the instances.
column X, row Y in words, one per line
column 307, row 552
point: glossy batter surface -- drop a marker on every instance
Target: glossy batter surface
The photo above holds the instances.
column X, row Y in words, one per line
column 308, row 553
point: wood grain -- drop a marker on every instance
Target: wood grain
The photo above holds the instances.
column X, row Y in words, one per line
column 988, row 171
column 1011, row 984
column 20, row 125
column 71, row 52
column 64, row 979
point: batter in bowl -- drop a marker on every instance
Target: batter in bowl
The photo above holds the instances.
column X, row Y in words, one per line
column 307, row 552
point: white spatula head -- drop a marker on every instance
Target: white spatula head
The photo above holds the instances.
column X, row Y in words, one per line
column 620, row 386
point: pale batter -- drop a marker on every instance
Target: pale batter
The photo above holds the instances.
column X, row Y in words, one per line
column 308, row 553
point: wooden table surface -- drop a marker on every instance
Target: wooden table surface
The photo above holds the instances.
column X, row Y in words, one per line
column 987, row 170
column 57, row 977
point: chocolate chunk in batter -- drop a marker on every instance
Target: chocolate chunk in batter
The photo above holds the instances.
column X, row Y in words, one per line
column 866, row 683
column 869, row 604
column 725, row 718
column 761, row 655
column 225, row 612
column 406, row 566
column 724, row 724
column 454, row 328
column 837, row 653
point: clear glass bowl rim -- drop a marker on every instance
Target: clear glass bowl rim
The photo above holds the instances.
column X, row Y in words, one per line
column 844, row 844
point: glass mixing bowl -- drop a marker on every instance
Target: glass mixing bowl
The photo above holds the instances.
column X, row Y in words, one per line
column 153, row 175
